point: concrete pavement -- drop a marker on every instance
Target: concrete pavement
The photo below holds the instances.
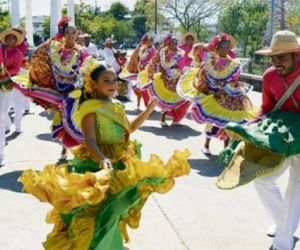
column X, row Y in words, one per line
column 194, row 215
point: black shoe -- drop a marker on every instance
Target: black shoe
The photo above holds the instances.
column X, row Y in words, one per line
column 26, row 112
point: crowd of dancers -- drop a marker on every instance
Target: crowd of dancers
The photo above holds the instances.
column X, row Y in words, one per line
column 102, row 190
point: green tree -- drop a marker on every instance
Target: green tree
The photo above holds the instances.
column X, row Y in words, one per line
column 139, row 24
column 118, row 11
column 147, row 9
column 5, row 20
column 201, row 31
column 247, row 21
column 189, row 13
column 293, row 16
column 46, row 27
column 122, row 30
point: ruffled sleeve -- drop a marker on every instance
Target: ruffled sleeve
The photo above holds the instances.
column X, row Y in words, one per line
column 87, row 107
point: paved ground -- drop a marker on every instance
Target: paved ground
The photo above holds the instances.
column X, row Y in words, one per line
column 195, row 215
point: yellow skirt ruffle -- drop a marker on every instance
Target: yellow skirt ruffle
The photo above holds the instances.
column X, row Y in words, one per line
column 185, row 86
column 67, row 191
column 143, row 79
column 163, row 94
column 209, row 110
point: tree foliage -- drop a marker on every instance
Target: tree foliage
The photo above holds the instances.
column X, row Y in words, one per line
column 247, row 21
column 5, row 20
column 46, row 27
column 293, row 16
column 139, row 24
column 118, row 11
column 146, row 8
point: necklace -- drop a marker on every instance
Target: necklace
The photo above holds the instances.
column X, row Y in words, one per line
column 64, row 63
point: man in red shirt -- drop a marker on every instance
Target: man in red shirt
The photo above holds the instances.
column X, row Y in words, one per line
column 285, row 211
column 10, row 62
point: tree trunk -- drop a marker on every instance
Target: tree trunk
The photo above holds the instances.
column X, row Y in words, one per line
column 282, row 15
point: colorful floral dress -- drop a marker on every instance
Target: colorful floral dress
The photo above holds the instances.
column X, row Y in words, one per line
column 52, row 76
column 145, row 56
column 163, row 85
column 186, row 60
column 92, row 208
column 218, row 96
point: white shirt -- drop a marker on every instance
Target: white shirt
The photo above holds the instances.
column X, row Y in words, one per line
column 116, row 66
column 92, row 49
column 109, row 57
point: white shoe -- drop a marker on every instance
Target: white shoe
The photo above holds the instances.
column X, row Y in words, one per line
column 272, row 231
column 2, row 162
column 206, row 151
column 19, row 130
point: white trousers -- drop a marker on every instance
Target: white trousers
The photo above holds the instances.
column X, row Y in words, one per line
column 2, row 124
column 15, row 99
column 285, row 211
column 129, row 89
column 26, row 103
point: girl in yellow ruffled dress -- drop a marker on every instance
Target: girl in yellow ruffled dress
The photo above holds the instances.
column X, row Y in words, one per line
column 164, row 82
column 214, row 88
column 145, row 54
column 108, row 184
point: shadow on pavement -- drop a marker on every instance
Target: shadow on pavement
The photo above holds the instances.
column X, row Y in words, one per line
column 155, row 116
column 207, row 167
column 13, row 136
column 172, row 132
column 9, row 181
column 296, row 239
column 47, row 115
column 46, row 137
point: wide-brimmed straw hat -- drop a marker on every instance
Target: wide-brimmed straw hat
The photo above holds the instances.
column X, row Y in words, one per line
column 108, row 40
column 187, row 34
column 20, row 30
column 15, row 33
column 120, row 52
column 283, row 42
column 86, row 35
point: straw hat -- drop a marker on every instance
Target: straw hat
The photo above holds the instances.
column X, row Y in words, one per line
column 17, row 34
column 187, row 34
column 20, row 30
column 86, row 35
column 120, row 52
column 108, row 40
column 283, row 42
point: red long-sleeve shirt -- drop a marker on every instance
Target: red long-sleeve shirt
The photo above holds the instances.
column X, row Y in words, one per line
column 273, row 90
column 12, row 59
column 23, row 47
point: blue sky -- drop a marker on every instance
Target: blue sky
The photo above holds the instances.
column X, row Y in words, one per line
column 42, row 7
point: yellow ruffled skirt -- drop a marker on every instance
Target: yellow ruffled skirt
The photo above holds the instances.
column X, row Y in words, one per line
column 93, row 210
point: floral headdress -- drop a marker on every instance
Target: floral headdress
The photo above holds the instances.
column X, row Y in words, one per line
column 144, row 39
column 167, row 40
column 62, row 24
column 212, row 46
column 89, row 65
column 217, row 39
